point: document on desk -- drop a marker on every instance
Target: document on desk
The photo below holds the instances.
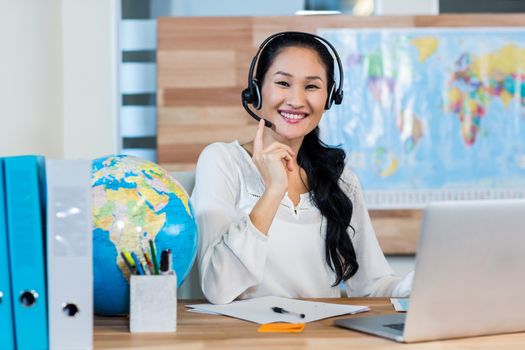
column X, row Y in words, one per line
column 261, row 310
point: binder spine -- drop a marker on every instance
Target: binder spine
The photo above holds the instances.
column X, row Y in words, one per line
column 7, row 341
column 26, row 251
column 69, row 254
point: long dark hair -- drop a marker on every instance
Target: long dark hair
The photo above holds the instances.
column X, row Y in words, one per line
column 323, row 165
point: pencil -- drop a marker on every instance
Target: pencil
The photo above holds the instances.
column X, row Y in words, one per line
column 140, row 269
column 130, row 265
column 154, row 257
column 148, row 262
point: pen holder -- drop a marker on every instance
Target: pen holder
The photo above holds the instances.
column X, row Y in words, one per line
column 153, row 303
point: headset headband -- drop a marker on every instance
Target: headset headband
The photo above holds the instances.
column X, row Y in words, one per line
column 339, row 91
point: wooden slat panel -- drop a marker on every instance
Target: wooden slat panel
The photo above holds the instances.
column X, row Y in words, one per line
column 185, row 134
column 264, row 26
column 216, row 68
column 243, row 59
column 397, row 230
column 203, row 97
column 471, row 20
column 201, row 116
column 205, row 33
column 183, row 152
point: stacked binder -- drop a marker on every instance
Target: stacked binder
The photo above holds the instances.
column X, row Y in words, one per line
column 7, row 341
column 46, row 278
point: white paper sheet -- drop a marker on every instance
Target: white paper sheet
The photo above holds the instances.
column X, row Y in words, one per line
column 259, row 310
column 199, row 311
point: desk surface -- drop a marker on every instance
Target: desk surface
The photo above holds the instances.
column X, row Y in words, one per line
column 203, row 331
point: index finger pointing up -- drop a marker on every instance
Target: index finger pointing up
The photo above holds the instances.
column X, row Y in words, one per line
column 258, row 140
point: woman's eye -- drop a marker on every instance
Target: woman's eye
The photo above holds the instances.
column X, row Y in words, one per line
column 283, row 83
column 312, row 87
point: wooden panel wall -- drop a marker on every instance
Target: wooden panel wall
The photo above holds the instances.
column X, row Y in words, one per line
column 202, row 67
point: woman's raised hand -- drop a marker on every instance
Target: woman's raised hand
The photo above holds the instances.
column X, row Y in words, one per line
column 272, row 161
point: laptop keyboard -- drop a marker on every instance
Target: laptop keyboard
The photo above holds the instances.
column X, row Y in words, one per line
column 397, row 326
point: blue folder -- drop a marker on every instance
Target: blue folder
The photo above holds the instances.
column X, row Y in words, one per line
column 23, row 189
column 7, row 340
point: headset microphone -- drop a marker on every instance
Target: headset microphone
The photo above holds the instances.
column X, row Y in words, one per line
column 255, row 116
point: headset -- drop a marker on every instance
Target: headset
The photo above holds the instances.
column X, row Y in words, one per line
column 252, row 94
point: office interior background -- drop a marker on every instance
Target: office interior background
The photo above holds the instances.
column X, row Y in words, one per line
column 78, row 77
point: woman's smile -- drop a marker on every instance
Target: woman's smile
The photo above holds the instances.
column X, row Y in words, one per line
column 292, row 117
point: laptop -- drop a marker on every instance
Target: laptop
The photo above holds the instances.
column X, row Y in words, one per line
column 469, row 278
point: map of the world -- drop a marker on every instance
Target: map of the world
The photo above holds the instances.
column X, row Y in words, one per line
column 431, row 114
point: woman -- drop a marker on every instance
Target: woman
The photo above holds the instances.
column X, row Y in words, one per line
column 283, row 215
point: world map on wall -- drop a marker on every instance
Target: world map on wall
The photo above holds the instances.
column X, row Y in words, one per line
column 431, row 114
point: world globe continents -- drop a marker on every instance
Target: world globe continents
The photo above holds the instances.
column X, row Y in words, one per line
column 135, row 200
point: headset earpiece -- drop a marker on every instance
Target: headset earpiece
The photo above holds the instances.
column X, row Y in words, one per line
column 252, row 95
column 330, row 99
column 257, row 98
column 247, row 96
column 338, row 97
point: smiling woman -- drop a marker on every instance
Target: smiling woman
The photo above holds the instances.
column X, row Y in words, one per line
column 283, row 215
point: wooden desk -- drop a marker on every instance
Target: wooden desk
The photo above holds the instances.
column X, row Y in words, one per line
column 202, row 331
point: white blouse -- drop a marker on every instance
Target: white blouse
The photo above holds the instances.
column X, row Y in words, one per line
column 237, row 261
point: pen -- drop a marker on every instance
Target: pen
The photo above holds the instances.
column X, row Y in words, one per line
column 151, row 269
column 140, row 269
column 280, row 310
column 154, row 257
column 129, row 263
column 165, row 264
column 170, row 261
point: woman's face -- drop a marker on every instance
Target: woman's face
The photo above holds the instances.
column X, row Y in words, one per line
column 294, row 92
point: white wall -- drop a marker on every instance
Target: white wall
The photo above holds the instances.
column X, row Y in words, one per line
column 90, row 90
column 57, row 78
column 406, row 7
column 30, row 78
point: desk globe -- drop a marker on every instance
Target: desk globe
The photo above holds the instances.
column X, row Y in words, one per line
column 135, row 200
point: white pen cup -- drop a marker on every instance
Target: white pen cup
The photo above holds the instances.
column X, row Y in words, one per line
column 153, row 303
